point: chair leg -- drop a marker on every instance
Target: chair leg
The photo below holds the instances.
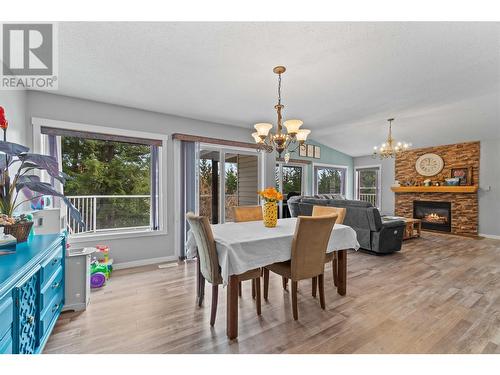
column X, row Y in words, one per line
column 215, row 297
column 266, row 283
column 335, row 269
column 239, row 289
column 202, row 291
column 314, row 286
column 253, row 288
column 256, row 282
column 321, row 285
column 294, row 301
column 285, row 282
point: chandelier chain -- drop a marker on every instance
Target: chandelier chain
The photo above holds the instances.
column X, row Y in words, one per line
column 279, row 89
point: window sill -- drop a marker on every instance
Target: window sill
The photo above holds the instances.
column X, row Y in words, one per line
column 91, row 237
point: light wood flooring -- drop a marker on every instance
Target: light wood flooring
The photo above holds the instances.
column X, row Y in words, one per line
column 440, row 294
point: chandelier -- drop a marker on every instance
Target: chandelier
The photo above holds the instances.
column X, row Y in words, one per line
column 281, row 142
column 390, row 149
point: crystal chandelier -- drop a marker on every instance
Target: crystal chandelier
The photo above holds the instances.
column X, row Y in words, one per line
column 281, row 142
column 390, row 149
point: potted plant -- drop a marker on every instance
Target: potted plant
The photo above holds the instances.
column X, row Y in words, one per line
column 270, row 210
column 16, row 157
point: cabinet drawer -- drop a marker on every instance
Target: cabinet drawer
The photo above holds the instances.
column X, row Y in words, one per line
column 52, row 287
column 51, row 265
column 6, row 314
column 53, row 308
column 6, row 343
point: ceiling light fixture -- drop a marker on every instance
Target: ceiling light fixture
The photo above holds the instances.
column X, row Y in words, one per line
column 391, row 148
column 280, row 141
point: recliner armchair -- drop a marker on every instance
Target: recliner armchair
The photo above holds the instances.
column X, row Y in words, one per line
column 373, row 234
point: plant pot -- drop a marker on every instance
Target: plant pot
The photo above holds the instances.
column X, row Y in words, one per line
column 20, row 231
column 270, row 213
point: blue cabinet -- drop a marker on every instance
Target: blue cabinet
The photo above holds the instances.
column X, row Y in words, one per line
column 31, row 293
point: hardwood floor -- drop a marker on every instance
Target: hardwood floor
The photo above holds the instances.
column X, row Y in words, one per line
column 440, row 294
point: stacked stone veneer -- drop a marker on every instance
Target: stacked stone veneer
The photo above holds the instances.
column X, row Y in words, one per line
column 464, row 207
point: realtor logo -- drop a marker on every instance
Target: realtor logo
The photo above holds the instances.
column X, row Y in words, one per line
column 28, row 56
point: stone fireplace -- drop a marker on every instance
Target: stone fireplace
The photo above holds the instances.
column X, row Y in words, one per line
column 463, row 201
column 434, row 215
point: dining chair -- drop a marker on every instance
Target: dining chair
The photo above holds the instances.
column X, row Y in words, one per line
column 307, row 256
column 330, row 257
column 247, row 213
column 209, row 262
column 242, row 214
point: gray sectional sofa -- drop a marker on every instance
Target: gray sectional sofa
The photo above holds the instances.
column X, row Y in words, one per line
column 374, row 235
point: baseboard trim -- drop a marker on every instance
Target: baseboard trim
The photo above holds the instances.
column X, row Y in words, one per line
column 143, row 262
column 492, row 236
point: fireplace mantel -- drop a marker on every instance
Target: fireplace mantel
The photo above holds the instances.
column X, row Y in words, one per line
column 435, row 189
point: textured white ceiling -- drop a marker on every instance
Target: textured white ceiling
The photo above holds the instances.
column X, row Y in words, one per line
column 439, row 80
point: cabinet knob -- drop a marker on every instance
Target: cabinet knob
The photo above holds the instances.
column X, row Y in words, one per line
column 56, row 306
column 55, row 285
column 30, row 319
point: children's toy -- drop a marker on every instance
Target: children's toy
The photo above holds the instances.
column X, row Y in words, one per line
column 99, row 273
column 104, row 250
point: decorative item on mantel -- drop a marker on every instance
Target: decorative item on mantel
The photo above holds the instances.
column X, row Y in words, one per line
column 280, row 141
column 15, row 155
column 270, row 209
column 391, row 148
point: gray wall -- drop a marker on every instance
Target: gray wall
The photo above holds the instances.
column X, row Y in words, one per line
column 14, row 103
column 387, row 173
column 64, row 108
column 489, row 185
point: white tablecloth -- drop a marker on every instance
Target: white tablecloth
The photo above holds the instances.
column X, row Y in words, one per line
column 248, row 245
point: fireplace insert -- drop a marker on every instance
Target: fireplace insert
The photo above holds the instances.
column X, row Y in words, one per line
column 434, row 215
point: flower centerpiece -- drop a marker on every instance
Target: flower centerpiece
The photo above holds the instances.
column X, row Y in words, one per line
column 271, row 197
column 17, row 157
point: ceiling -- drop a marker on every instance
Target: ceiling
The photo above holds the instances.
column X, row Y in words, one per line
column 439, row 80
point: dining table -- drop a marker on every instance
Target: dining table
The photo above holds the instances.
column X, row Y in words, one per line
column 248, row 245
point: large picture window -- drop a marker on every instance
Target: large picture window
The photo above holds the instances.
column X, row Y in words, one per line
column 114, row 180
column 330, row 180
column 368, row 185
column 289, row 181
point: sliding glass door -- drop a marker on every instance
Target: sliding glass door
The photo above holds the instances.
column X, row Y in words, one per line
column 290, row 182
column 226, row 178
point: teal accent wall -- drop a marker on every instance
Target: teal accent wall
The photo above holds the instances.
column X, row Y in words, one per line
column 333, row 157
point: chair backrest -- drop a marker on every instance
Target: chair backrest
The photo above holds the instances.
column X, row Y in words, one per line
column 309, row 245
column 207, row 252
column 247, row 213
column 328, row 210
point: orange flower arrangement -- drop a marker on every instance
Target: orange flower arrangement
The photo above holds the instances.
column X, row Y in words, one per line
column 270, row 194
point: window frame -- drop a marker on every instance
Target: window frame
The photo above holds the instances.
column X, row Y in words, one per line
column 331, row 166
column 40, row 146
column 379, row 182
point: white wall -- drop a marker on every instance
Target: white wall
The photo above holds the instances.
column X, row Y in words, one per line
column 56, row 107
column 387, row 179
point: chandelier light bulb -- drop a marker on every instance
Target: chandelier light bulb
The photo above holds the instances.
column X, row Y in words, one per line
column 302, row 134
column 292, row 126
column 263, row 128
column 256, row 137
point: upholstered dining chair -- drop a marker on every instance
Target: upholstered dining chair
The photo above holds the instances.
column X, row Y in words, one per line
column 209, row 262
column 242, row 214
column 330, row 257
column 307, row 258
column 247, row 213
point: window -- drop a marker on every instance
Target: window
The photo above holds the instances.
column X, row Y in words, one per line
column 368, row 185
column 289, row 181
column 330, row 180
column 114, row 179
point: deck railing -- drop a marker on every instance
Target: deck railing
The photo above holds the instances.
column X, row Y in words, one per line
column 371, row 197
column 102, row 213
